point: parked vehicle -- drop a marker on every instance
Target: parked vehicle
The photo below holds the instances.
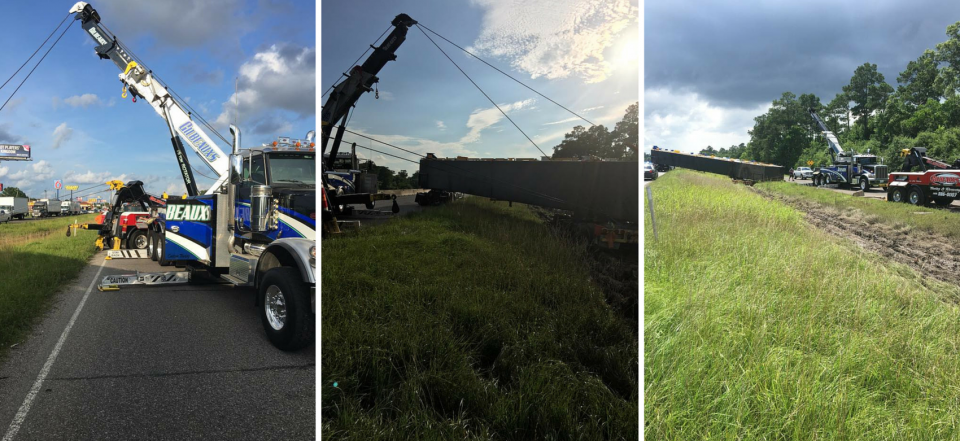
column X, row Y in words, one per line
column 849, row 169
column 937, row 181
column 17, row 208
column 5, row 216
column 649, row 173
column 803, row 173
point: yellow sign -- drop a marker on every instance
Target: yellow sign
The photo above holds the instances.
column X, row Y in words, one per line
column 72, row 187
column 809, row 162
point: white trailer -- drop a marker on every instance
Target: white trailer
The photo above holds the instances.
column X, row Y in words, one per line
column 18, row 208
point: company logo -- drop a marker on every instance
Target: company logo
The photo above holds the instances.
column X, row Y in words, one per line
column 945, row 179
column 93, row 31
column 199, row 213
column 191, row 135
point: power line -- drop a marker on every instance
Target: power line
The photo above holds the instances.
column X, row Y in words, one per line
column 37, row 65
column 35, row 52
column 481, row 91
column 507, row 75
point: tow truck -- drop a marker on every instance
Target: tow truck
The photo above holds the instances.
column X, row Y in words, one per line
column 937, row 181
column 254, row 227
column 126, row 221
column 336, row 109
column 849, row 169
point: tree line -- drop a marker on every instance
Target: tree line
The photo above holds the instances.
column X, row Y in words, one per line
column 868, row 115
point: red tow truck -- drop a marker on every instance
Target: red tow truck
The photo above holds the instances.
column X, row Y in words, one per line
column 937, row 181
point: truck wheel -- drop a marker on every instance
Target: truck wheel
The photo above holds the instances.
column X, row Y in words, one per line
column 137, row 240
column 152, row 245
column 915, row 196
column 896, row 195
column 285, row 309
column 864, row 184
column 943, row 202
column 161, row 259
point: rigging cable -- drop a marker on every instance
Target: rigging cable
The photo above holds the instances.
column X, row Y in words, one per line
column 507, row 75
column 481, row 91
column 38, row 64
column 355, row 62
column 35, row 52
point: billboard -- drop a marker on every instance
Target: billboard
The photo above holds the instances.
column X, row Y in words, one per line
column 14, row 152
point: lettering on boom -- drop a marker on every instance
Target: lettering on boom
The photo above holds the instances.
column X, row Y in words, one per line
column 194, row 138
column 96, row 35
column 198, row 213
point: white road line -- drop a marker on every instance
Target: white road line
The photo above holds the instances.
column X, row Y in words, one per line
column 28, row 401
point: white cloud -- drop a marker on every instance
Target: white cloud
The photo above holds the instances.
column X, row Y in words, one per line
column 481, row 119
column 85, row 100
column 37, row 171
column 175, row 22
column 3, row 171
column 555, row 38
column 61, row 134
column 686, row 121
column 592, row 108
column 441, row 125
column 574, row 118
column 280, row 78
column 386, row 96
column 89, row 177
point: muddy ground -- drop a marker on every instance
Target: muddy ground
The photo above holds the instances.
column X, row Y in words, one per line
column 930, row 254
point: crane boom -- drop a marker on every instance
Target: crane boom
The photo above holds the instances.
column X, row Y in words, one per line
column 139, row 81
column 361, row 79
column 831, row 137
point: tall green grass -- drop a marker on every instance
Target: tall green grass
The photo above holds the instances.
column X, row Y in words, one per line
column 758, row 326
column 22, row 232
column 470, row 321
column 30, row 273
column 931, row 220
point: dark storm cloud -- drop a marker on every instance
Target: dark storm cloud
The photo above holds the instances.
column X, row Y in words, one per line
column 744, row 54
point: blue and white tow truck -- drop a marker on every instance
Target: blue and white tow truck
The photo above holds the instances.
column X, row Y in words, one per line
column 255, row 227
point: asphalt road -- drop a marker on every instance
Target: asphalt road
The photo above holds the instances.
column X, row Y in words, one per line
column 646, row 182
column 174, row 362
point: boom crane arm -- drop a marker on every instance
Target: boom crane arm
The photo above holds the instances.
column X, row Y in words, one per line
column 361, row 79
column 831, row 137
column 139, row 81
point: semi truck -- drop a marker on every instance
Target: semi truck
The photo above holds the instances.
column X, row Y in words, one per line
column 69, row 208
column 17, row 208
column 849, row 169
column 46, row 208
column 254, row 227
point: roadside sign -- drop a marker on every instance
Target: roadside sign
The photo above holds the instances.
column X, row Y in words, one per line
column 72, row 187
column 810, row 163
column 57, row 184
column 14, row 152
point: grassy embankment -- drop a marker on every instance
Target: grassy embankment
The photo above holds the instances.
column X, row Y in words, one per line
column 758, row 326
column 36, row 260
column 471, row 321
column 939, row 221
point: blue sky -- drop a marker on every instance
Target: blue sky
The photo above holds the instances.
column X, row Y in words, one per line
column 82, row 132
column 581, row 53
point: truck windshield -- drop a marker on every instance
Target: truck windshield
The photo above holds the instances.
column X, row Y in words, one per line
column 293, row 168
column 867, row 160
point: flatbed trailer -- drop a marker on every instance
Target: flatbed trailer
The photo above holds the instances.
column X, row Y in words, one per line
column 736, row 169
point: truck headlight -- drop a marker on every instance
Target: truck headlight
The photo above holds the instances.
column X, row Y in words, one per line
column 313, row 256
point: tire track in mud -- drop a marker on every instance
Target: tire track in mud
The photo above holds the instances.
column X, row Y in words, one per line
column 930, row 254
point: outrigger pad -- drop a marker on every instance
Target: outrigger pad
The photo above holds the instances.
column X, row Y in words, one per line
column 113, row 282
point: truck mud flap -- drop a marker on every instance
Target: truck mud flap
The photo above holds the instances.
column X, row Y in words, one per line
column 114, row 282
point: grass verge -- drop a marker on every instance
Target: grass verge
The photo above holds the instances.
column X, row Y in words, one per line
column 934, row 220
column 32, row 272
column 758, row 326
column 23, row 232
column 470, row 321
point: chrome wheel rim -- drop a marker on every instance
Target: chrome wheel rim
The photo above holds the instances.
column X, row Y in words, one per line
column 897, row 196
column 140, row 242
column 914, row 198
column 275, row 307
column 150, row 248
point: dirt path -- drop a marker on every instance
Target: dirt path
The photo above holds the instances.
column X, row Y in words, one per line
column 930, row 254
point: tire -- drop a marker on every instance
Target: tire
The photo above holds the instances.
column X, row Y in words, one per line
column 897, row 195
column 864, row 184
column 285, row 309
column 943, row 202
column 137, row 240
column 161, row 259
column 916, row 197
column 152, row 245
column 371, row 205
